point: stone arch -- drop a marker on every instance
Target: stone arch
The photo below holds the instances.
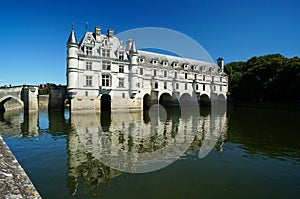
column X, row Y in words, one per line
column 166, row 99
column 105, row 102
column 185, row 99
column 205, row 100
column 10, row 103
column 146, row 101
column 221, row 98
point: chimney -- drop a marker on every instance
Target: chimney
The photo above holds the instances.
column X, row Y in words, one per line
column 221, row 63
column 110, row 33
column 97, row 33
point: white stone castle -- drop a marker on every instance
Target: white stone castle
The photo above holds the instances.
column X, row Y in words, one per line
column 104, row 74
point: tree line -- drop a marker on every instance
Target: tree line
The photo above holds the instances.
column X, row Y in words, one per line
column 269, row 78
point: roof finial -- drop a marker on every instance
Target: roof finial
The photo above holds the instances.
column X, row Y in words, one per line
column 87, row 26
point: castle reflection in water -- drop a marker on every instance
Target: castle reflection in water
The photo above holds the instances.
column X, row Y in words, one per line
column 101, row 146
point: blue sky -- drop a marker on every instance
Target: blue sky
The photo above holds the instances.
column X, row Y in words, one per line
column 34, row 33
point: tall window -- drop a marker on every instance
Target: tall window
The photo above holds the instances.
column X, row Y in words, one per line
column 177, row 86
column 175, row 74
column 220, row 88
column 156, row 85
column 121, row 82
column 154, row 72
column 105, row 65
column 220, row 79
column 88, row 80
column 197, row 87
column 105, row 80
column 203, row 77
column 185, row 75
column 141, row 71
column 212, row 78
column 121, row 55
column 185, row 86
column 89, row 50
column 165, row 85
column 105, row 53
column 203, row 87
column 214, row 88
column 195, row 76
column 88, row 65
column 165, row 73
column 121, row 69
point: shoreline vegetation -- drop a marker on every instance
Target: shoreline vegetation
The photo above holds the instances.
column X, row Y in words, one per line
column 270, row 81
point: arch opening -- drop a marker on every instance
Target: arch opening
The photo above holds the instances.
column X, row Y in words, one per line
column 9, row 104
column 146, row 101
column 166, row 100
column 205, row 100
column 105, row 102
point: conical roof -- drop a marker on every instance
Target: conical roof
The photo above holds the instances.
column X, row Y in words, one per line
column 72, row 38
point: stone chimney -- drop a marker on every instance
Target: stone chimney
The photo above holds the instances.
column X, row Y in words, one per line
column 110, row 33
column 221, row 63
column 97, row 33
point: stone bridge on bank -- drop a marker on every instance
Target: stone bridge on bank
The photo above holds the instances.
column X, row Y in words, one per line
column 18, row 98
column 27, row 98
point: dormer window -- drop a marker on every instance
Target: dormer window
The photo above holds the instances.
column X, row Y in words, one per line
column 185, row 66
column 121, row 55
column 154, row 61
column 105, row 42
column 89, row 50
column 203, row 68
column 193, row 67
column 105, row 53
column 175, row 64
column 141, row 60
column 165, row 63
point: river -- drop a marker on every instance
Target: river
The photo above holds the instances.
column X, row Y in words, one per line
column 233, row 153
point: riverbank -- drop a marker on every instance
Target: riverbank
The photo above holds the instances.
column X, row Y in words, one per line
column 14, row 182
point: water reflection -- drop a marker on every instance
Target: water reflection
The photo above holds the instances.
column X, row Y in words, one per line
column 103, row 145
column 19, row 124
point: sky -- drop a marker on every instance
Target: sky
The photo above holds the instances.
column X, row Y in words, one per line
column 34, row 33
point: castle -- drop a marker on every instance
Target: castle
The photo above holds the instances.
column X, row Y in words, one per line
column 105, row 74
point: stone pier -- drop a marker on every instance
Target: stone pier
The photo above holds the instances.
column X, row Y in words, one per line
column 14, row 182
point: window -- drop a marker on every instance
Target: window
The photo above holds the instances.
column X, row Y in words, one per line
column 197, row 87
column 195, row 76
column 203, row 77
column 88, row 80
column 185, row 75
column 121, row 69
column 121, row 82
column 105, row 80
column 165, row 73
column 154, row 72
column 105, row 53
column 141, row 71
column 88, row 65
column 156, row 85
column 177, row 86
column 220, row 88
column 220, row 79
column 212, row 78
column 214, row 88
column 86, row 93
column 138, row 85
column 89, row 50
column 105, row 65
column 175, row 74
column 121, row 55
column 185, row 86
column 165, row 85
column 203, row 88
column 123, row 95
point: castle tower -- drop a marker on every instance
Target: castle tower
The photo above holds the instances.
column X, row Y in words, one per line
column 72, row 63
column 133, row 56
